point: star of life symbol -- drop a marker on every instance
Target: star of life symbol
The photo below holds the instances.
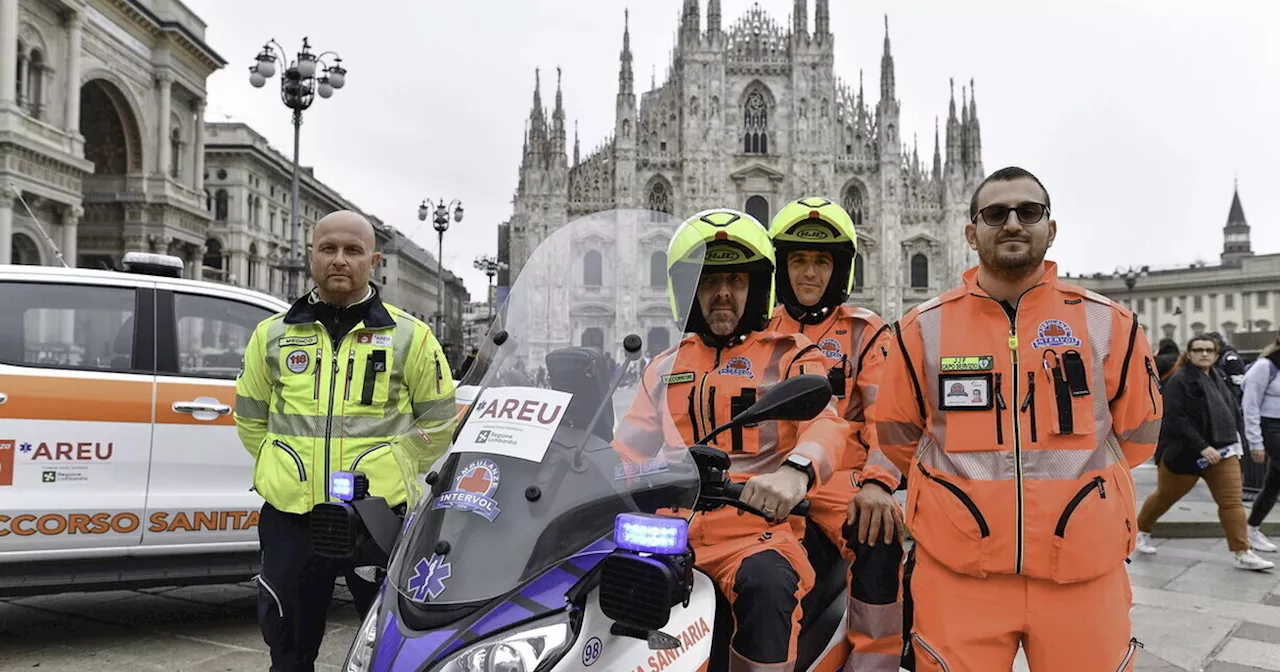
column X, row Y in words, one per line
column 25, row 447
column 428, row 578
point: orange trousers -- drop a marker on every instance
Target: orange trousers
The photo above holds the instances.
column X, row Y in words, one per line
column 967, row 624
column 763, row 570
column 874, row 627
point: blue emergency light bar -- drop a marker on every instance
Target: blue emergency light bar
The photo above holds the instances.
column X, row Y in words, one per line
column 348, row 485
column 646, row 533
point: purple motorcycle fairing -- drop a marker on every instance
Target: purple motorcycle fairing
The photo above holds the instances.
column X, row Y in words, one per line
column 400, row 651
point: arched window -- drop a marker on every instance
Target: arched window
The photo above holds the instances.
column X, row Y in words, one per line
column 593, row 338
column 755, row 124
column 592, row 269
column 220, row 205
column 854, row 204
column 758, row 207
column 35, row 83
column 657, row 340
column 919, row 271
column 858, row 272
column 659, row 198
column 212, row 254
column 175, row 153
column 23, row 250
column 658, row 270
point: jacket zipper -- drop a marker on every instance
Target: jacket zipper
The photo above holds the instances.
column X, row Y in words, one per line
column 328, row 419
column 1000, row 407
column 1153, row 382
column 351, row 370
column 969, row 504
column 933, row 654
column 319, row 364
column 711, row 409
column 1018, row 473
column 361, row 456
column 1096, row 483
column 302, row 470
column 1134, row 645
column 1030, row 404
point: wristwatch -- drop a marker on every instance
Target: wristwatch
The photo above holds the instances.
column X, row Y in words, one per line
column 804, row 464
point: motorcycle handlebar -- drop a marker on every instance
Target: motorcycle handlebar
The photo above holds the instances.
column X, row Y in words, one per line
column 734, row 490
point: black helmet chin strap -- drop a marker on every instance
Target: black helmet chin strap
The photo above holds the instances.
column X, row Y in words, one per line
column 809, row 314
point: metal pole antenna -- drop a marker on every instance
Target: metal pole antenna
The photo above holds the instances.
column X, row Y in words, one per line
column 295, row 253
column 440, row 296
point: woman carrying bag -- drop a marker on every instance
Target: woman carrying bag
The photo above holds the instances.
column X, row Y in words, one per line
column 1200, row 438
column 1261, row 405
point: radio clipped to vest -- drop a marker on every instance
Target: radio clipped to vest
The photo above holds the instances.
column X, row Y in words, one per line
column 837, row 377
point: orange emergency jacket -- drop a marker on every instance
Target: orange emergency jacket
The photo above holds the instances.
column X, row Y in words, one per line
column 1020, row 427
column 706, row 386
column 855, row 342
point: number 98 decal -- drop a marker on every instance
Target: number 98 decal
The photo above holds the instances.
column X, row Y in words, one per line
column 591, row 652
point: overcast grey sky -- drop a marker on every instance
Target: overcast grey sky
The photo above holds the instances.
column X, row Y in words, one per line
column 1137, row 114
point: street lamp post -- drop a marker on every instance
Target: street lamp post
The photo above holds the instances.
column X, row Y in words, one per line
column 490, row 265
column 299, row 84
column 1131, row 275
column 441, row 224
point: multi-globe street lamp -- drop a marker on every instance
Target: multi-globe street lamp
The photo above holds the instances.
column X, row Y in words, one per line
column 306, row 76
column 443, row 213
column 491, row 266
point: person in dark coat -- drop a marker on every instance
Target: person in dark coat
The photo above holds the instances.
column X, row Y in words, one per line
column 1166, row 357
column 1200, row 438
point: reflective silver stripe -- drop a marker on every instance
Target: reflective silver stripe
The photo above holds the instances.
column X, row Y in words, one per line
column 821, row 462
column 930, row 323
column 763, row 463
column 405, row 329
column 250, row 408
column 877, row 458
column 275, row 331
column 876, row 621
column 997, row 465
column 312, row 426
column 874, row 662
column 436, row 410
column 270, row 591
column 640, row 440
column 1099, row 318
column 1147, row 432
column 897, row 433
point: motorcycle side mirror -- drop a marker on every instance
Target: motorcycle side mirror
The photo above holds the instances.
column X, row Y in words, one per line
column 798, row 398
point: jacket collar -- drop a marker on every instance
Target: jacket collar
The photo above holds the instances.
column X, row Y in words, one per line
column 376, row 315
column 1050, row 277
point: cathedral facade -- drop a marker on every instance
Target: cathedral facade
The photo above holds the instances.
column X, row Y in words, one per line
column 750, row 117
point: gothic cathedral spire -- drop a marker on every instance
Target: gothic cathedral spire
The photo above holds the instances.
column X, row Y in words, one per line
column 626, row 79
column 886, row 67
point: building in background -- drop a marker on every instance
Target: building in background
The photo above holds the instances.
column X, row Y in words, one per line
column 248, row 185
column 751, row 117
column 1238, row 297
column 101, row 108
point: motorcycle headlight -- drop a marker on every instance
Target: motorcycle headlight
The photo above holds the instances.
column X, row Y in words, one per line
column 360, row 655
column 523, row 650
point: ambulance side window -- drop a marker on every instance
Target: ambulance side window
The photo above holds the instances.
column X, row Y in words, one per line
column 212, row 334
column 67, row 326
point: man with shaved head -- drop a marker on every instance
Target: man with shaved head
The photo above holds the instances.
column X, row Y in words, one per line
column 328, row 386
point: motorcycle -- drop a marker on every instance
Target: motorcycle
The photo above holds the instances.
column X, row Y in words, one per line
column 537, row 543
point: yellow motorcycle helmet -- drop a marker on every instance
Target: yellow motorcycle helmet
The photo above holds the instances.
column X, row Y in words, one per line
column 720, row 240
column 815, row 223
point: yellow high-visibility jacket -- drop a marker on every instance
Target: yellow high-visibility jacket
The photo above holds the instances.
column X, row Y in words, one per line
column 307, row 407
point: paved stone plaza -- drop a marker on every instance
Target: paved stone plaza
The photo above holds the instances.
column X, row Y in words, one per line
column 1193, row 611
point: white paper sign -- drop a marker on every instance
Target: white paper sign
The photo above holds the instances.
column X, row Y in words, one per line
column 513, row 421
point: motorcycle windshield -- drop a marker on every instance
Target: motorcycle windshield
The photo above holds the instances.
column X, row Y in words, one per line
column 543, row 461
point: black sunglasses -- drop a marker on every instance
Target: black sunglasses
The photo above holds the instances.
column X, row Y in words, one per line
column 1028, row 213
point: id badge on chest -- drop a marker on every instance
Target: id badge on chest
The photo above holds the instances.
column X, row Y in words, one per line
column 965, row 391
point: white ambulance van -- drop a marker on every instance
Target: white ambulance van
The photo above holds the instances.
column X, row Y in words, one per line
column 120, row 466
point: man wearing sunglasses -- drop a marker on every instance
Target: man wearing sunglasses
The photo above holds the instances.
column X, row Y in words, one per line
column 1016, row 404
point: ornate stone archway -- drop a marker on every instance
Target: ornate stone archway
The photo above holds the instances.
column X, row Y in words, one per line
column 112, row 134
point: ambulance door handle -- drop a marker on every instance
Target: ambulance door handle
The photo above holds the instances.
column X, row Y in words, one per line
column 203, row 408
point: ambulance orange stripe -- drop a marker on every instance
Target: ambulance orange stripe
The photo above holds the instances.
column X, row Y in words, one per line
column 168, row 393
column 91, row 400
